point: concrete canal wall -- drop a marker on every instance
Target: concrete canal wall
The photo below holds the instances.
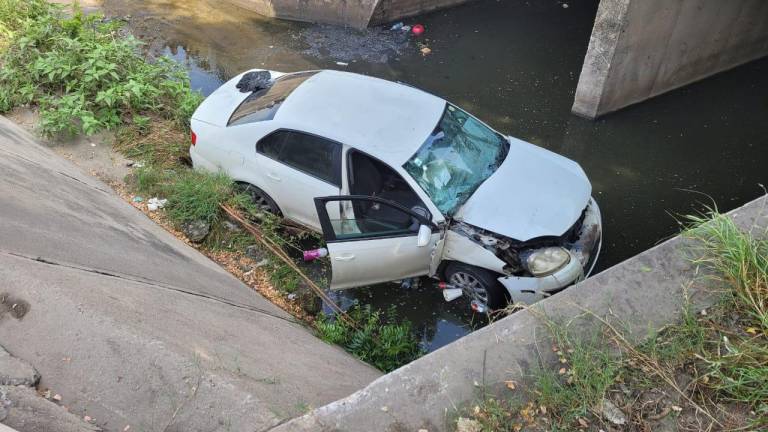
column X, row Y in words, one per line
column 354, row 13
column 131, row 326
column 645, row 292
column 642, row 48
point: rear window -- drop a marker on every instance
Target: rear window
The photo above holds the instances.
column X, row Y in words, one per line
column 263, row 104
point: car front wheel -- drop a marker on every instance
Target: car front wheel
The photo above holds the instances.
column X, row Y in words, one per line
column 477, row 284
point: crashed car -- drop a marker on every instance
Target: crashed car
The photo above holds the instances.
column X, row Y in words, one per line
column 402, row 184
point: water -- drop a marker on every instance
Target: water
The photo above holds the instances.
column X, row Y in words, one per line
column 515, row 64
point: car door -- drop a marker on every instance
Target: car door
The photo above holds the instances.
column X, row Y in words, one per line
column 296, row 168
column 373, row 240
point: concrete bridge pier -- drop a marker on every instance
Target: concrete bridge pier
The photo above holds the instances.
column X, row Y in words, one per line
column 642, row 48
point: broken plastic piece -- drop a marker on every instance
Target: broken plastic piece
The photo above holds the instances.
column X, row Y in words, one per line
column 479, row 307
column 154, row 203
column 254, row 81
column 452, row 294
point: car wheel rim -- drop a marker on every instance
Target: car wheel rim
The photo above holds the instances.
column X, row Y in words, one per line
column 470, row 285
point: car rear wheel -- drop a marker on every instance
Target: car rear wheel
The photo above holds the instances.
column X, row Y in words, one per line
column 260, row 199
column 478, row 284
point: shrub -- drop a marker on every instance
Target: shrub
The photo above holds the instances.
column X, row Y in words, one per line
column 378, row 340
column 84, row 72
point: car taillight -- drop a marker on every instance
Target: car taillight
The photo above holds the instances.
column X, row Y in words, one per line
column 194, row 138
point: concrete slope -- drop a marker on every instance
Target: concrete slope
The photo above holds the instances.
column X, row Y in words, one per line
column 132, row 326
column 643, row 293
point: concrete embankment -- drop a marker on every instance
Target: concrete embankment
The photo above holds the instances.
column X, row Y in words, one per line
column 643, row 293
column 133, row 327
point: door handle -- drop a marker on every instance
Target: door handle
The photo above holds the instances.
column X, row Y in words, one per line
column 273, row 177
column 345, row 257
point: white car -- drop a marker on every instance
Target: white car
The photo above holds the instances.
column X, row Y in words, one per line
column 402, row 184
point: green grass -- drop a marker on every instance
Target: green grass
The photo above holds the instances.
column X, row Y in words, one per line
column 379, row 339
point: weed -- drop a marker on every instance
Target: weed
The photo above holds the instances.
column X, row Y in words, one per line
column 195, row 195
column 378, row 339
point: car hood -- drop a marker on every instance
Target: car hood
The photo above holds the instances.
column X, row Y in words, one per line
column 533, row 193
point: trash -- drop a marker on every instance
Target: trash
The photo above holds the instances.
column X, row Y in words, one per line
column 137, row 165
column 425, row 51
column 138, row 199
column 154, row 203
column 418, row 30
column 479, row 307
column 261, row 263
column 565, row 5
column 253, row 81
column 93, row 144
column 612, row 413
column 342, row 64
column 292, row 296
column 57, row 397
column 406, row 28
column 398, row 26
column 452, row 294
column 87, row 418
column 468, row 425
column 314, row 254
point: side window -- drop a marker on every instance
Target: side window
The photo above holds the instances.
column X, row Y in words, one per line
column 365, row 219
column 310, row 154
column 271, row 145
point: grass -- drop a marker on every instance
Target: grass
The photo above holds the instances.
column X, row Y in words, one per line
column 714, row 364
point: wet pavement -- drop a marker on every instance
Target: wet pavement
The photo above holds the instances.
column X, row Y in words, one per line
column 514, row 64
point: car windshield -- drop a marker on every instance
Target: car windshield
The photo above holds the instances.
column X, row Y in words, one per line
column 263, row 104
column 459, row 155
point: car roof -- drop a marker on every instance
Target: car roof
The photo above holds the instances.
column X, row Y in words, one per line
column 387, row 120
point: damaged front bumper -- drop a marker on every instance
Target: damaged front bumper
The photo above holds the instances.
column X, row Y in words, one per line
column 583, row 256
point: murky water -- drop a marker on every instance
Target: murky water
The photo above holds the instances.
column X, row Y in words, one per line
column 514, row 64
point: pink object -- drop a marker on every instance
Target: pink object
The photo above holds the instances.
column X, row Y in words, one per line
column 418, row 30
column 314, row 254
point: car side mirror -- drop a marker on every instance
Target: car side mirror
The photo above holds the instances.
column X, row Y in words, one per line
column 425, row 233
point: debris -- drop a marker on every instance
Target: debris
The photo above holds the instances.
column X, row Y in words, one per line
column 751, row 330
column 57, row 397
column 137, row 199
column 230, row 226
column 261, row 263
column 154, row 203
column 583, row 422
column 510, row 384
column 342, row 63
column 425, row 51
column 311, row 255
column 676, row 408
column 468, row 425
column 196, row 230
column 398, row 26
column 565, row 5
column 93, row 144
column 253, row 81
column 418, row 30
column 125, row 429
column 612, row 413
column 562, row 371
column 385, row 409
column 292, row 296
column 87, row 418
column 406, row 29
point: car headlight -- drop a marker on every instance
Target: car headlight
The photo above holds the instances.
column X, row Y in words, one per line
column 543, row 262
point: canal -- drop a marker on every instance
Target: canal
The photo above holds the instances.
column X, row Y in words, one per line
column 514, row 64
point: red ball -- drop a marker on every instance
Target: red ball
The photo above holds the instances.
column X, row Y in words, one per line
column 417, row 30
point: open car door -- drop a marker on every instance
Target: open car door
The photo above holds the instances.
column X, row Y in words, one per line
column 374, row 240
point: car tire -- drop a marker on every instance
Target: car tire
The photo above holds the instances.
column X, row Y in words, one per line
column 478, row 284
column 260, row 199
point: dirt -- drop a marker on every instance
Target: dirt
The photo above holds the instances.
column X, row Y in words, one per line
column 94, row 154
